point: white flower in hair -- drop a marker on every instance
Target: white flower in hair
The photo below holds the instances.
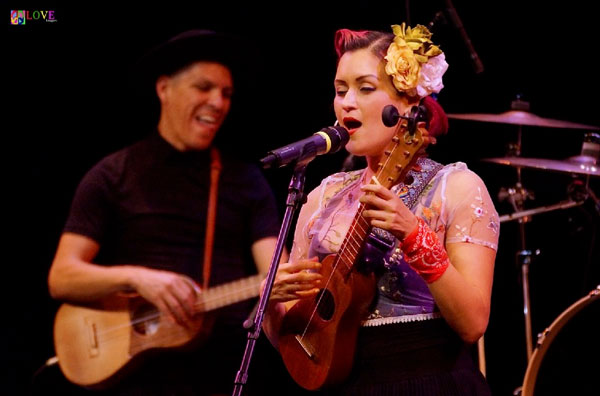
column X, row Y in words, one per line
column 430, row 78
column 415, row 64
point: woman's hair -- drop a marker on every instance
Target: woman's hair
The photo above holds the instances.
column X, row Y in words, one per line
column 350, row 40
column 436, row 117
column 347, row 40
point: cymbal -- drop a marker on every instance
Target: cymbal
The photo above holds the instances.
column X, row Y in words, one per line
column 519, row 117
column 582, row 165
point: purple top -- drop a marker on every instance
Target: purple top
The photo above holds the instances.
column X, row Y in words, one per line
column 454, row 203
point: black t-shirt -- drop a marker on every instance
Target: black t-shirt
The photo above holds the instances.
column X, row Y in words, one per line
column 147, row 205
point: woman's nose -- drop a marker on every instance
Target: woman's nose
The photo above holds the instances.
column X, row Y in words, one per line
column 349, row 101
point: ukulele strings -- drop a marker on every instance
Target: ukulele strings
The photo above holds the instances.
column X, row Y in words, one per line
column 349, row 238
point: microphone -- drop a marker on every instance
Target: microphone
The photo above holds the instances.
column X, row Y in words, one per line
column 327, row 140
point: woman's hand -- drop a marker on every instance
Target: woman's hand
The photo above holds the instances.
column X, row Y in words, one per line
column 387, row 211
column 296, row 280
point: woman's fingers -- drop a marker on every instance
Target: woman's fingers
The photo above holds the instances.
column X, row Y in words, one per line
column 300, row 277
column 297, row 280
column 301, row 265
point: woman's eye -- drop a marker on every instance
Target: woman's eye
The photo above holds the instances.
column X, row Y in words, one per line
column 340, row 92
column 367, row 89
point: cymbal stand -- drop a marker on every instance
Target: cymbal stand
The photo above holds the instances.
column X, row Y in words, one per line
column 516, row 196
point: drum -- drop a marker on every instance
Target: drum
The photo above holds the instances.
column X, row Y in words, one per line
column 566, row 358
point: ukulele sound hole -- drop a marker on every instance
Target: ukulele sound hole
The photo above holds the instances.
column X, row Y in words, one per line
column 326, row 304
column 145, row 319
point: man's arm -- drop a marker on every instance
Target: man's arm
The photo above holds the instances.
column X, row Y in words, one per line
column 74, row 277
column 262, row 252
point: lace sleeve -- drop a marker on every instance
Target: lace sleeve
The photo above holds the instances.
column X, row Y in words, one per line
column 472, row 217
column 311, row 219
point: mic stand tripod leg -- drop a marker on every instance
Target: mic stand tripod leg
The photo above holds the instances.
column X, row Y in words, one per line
column 294, row 201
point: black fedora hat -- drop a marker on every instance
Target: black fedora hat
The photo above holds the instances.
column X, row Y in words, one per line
column 198, row 45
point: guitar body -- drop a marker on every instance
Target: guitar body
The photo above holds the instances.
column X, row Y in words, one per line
column 322, row 352
column 97, row 344
column 317, row 339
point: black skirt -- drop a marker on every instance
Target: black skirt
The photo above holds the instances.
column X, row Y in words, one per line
column 418, row 358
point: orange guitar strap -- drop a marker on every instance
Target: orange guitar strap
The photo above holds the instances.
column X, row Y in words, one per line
column 215, row 170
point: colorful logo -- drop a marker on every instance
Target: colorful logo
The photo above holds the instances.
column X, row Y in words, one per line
column 20, row 17
column 17, row 17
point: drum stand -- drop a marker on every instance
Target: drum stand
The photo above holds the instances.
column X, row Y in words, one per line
column 588, row 163
column 517, row 196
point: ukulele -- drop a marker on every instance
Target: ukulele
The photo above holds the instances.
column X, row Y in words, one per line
column 99, row 344
column 317, row 339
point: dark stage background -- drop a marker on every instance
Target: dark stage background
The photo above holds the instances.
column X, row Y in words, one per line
column 70, row 99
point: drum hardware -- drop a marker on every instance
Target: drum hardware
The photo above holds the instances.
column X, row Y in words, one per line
column 513, row 150
column 524, row 258
column 541, row 209
column 587, row 164
column 546, row 338
column 516, row 196
column 567, row 166
column 520, row 115
column 579, row 193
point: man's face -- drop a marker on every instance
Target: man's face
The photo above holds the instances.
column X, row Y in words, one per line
column 194, row 104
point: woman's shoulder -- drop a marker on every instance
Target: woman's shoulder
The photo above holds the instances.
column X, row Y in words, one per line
column 459, row 175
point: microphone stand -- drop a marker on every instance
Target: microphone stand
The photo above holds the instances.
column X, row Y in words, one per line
column 295, row 199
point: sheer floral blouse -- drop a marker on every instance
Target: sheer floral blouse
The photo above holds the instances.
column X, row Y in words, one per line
column 451, row 199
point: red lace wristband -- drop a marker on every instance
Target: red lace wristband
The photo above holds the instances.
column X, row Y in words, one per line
column 424, row 252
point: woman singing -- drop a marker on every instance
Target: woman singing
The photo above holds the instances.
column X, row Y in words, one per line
column 434, row 279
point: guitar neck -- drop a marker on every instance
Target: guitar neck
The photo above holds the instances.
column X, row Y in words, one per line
column 229, row 293
column 398, row 159
column 353, row 242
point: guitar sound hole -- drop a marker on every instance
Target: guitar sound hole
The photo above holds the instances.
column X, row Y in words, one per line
column 326, row 304
column 145, row 319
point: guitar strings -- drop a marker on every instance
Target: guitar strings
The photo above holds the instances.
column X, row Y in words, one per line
column 158, row 314
column 338, row 258
column 349, row 238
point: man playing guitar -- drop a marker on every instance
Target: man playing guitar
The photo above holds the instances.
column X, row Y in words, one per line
column 138, row 221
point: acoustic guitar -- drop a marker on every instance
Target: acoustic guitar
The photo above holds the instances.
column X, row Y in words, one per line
column 98, row 344
column 317, row 339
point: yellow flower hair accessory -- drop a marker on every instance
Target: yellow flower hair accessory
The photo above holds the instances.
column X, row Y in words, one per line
column 415, row 64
